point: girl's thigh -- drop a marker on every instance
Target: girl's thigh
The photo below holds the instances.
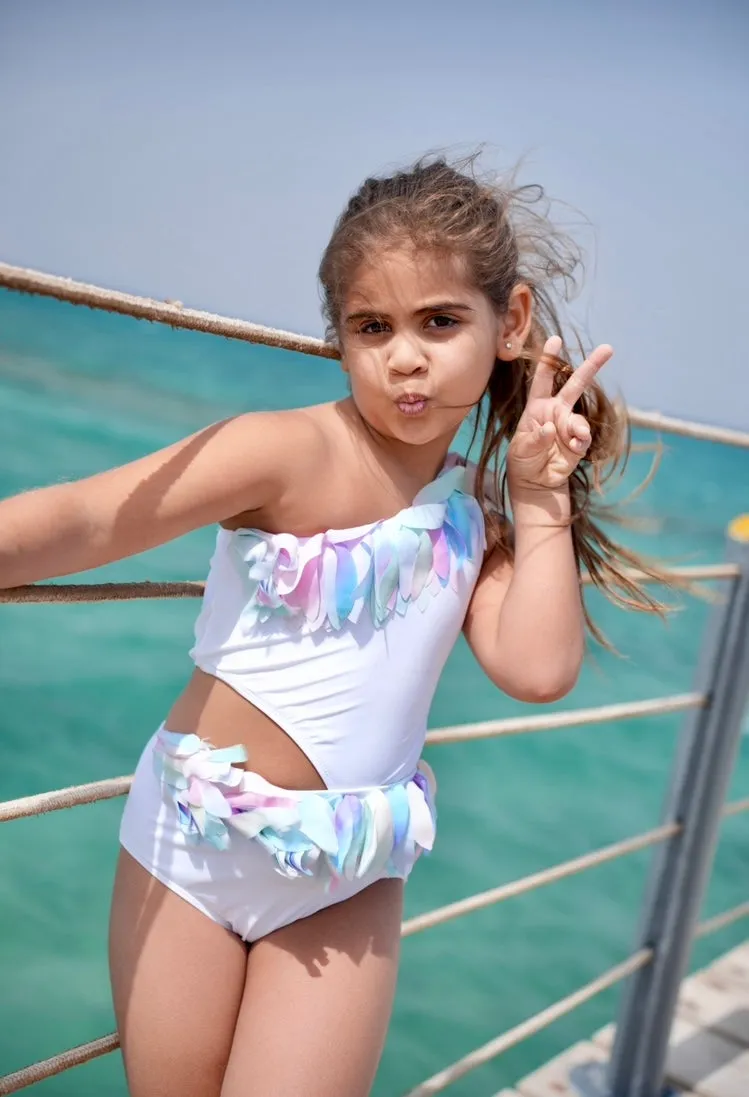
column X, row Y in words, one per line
column 317, row 1001
column 177, row 983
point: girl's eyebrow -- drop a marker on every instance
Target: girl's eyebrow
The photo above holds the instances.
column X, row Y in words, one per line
column 446, row 306
column 438, row 306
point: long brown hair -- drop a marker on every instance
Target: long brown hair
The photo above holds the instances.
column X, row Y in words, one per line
column 505, row 236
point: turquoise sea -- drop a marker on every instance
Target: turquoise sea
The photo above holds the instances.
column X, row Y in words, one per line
column 82, row 688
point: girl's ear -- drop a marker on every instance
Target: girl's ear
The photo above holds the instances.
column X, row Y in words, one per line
column 515, row 324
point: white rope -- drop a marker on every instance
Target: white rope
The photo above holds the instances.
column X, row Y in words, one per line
column 11, row 1083
column 101, row 592
column 89, row 793
column 736, row 807
column 175, row 315
column 76, row 1056
column 193, row 588
column 687, row 572
column 601, row 714
column 73, row 796
column 529, row 1028
column 667, row 424
column 536, row 880
column 720, row 921
column 162, row 312
column 500, row 894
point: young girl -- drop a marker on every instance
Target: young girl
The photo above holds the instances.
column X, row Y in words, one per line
column 276, row 813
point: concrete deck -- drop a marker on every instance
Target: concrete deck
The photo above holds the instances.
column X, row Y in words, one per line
column 709, row 1054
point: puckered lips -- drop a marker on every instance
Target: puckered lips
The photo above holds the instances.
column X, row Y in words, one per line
column 412, row 403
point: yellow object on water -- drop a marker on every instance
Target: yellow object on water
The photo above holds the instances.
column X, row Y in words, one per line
column 738, row 530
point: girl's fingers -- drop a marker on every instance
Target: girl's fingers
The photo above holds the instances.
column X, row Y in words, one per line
column 573, row 430
column 585, row 375
column 542, row 384
column 578, row 446
column 546, row 432
column 541, row 437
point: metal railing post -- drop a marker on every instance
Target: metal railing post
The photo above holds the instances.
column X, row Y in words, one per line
column 707, row 750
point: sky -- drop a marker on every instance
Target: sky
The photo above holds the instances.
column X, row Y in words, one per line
column 202, row 152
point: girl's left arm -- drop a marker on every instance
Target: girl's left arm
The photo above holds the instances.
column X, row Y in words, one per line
column 525, row 623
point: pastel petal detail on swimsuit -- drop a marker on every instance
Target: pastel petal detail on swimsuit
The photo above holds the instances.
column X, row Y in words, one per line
column 319, row 833
column 326, row 580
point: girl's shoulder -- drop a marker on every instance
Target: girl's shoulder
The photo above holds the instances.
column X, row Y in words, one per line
column 291, row 450
column 289, row 437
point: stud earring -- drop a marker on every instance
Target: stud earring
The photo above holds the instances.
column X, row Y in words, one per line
column 508, row 345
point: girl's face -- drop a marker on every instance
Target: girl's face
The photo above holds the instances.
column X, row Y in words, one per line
column 419, row 344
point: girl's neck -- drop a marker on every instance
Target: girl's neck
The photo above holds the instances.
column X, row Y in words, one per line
column 421, row 463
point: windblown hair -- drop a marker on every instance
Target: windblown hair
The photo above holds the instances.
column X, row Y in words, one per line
column 504, row 236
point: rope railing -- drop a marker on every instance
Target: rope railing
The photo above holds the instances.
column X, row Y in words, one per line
column 47, row 1068
column 537, row 880
column 554, row 721
column 35, row 593
column 514, row 1036
column 562, row 871
column 736, row 807
column 194, row 588
column 175, row 315
column 668, row 424
column 546, row 1017
column 722, row 921
column 162, row 312
column 11, row 1083
column 117, row 786
column 42, row 802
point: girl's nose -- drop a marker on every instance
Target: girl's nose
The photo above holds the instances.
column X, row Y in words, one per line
column 407, row 358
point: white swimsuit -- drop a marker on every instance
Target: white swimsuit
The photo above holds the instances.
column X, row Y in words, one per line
column 340, row 639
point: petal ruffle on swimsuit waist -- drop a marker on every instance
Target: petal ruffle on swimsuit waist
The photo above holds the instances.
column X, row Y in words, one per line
column 319, row 833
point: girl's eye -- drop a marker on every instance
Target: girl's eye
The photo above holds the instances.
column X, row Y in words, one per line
column 441, row 321
column 373, row 327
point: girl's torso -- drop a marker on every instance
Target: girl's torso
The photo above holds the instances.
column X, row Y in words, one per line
column 321, row 652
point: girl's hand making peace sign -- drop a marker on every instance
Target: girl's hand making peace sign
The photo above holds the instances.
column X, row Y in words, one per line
column 551, row 438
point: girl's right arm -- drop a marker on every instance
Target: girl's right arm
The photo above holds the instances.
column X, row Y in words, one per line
column 233, row 466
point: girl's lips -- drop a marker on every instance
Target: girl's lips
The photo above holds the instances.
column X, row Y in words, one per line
column 412, row 405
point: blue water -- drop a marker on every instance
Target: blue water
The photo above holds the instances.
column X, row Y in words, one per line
column 84, row 686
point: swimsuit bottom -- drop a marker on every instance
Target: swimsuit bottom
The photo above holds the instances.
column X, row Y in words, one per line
column 254, row 857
